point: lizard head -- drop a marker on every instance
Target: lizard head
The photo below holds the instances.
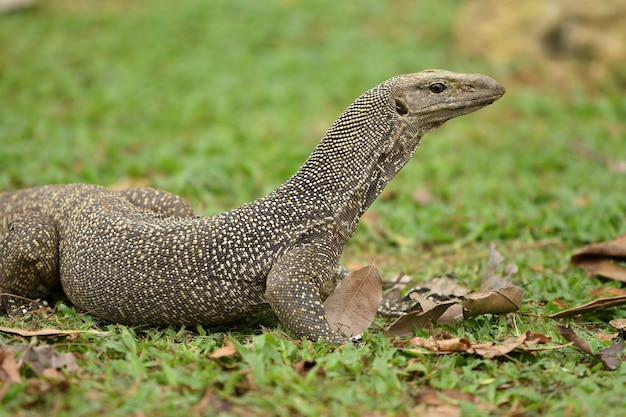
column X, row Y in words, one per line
column 426, row 99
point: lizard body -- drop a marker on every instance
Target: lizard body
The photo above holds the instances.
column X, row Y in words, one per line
column 140, row 256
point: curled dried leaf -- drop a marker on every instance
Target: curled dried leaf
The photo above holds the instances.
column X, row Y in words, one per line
column 404, row 325
column 610, row 357
column 619, row 324
column 502, row 301
column 599, row 304
column 484, row 349
column 353, row 305
column 48, row 332
column 228, row 349
column 603, row 259
column 9, row 370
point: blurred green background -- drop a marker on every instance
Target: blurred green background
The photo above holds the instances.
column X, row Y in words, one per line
column 220, row 102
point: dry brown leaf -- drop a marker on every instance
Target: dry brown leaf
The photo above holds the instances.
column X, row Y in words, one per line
column 353, row 305
column 560, row 303
column 578, row 341
column 619, row 324
column 45, row 361
column 603, row 259
column 599, row 304
column 455, row 344
column 485, row 349
column 610, row 356
column 47, row 332
column 492, row 280
column 228, row 349
column 304, row 367
column 533, row 338
column 606, row 292
column 502, row 301
column 396, row 286
column 9, row 371
column 454, row 313
column 492, row 350
column 606, row 337
column 404, row 325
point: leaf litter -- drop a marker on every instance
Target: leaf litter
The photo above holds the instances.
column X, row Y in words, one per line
column 44, row 360
column 610, row 357
column 498, row 295
column 606, row 259
column 444, row 343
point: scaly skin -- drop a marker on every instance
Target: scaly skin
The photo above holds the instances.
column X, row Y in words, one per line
column 122, row 257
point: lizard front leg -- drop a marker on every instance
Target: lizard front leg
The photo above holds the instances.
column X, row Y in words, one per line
column 293, row 291
column 29, row 259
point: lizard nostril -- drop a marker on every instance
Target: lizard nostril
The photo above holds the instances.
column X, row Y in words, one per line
column 401, row 108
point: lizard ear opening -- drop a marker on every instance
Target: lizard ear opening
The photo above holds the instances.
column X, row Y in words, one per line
column 401, row 108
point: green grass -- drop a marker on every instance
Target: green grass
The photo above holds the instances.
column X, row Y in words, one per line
column 220, row 102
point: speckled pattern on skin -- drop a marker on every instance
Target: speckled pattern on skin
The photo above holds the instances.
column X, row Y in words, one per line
column 140, row 256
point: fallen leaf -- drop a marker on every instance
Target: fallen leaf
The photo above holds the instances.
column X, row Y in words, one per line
column 352, row 306
column 610, row 356
column 502, row 301
column 304, row 367
column 603, row 259
column 606, row 337
column 559, row 303
column 485, row 349
column 396, row 286
column 599, row 304
column 404, row 325
column 454, row 313
column 228, row 349
column 438, row 300
column 455, row 344
column 47, row 332
column 606, row 292
column 534, row 338
column 492, row 280
column 492, row 350
column 571, row 336
column 9, row 371
column 44, row 360
column 619, row 324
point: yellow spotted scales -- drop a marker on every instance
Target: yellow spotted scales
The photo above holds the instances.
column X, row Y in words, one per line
column 140, row 256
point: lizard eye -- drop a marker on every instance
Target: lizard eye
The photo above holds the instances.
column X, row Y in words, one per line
column 437, row 88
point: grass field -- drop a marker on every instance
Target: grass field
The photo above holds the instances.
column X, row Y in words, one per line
column 220, row 102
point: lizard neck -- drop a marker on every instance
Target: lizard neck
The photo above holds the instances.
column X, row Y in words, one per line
column 357, row 157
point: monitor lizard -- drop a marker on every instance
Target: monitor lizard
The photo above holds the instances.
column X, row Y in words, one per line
column 141, row 257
